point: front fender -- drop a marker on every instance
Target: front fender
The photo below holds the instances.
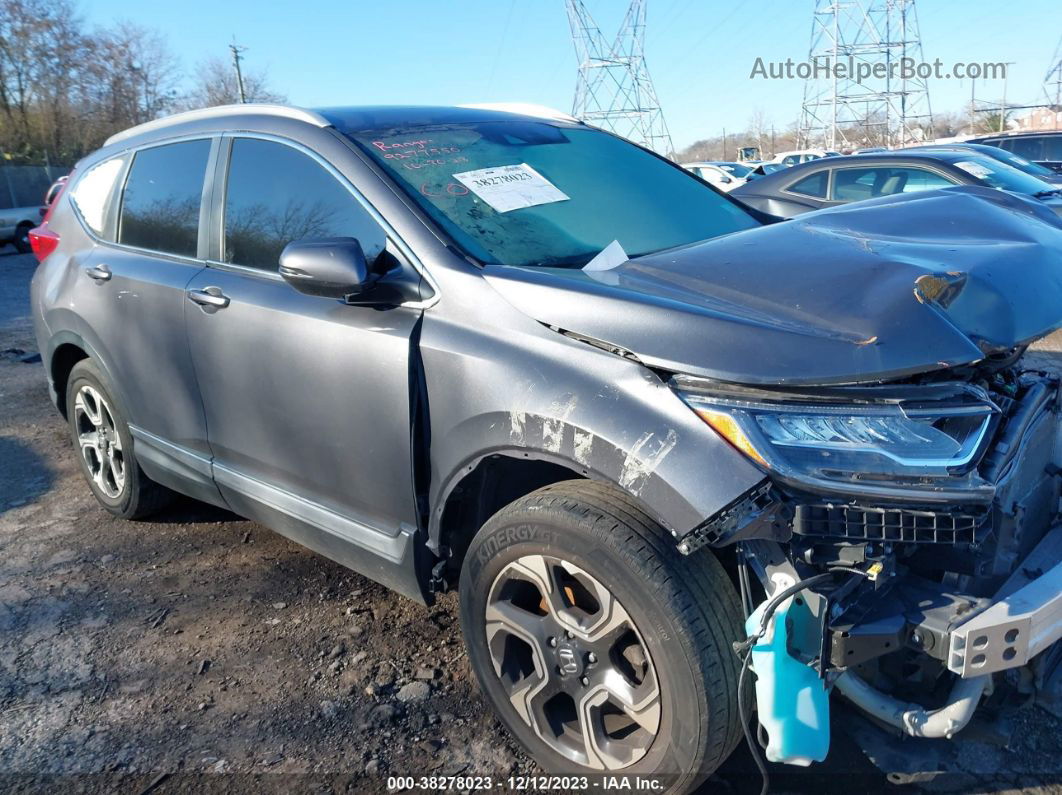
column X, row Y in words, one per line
column 551, row 398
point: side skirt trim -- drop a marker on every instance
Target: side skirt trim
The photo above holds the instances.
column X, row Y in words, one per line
column 390, row 548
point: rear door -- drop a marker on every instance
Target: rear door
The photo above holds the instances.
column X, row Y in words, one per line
column 307, row 398
column 143, row 209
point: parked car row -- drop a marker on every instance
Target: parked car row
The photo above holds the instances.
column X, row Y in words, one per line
column 830, row 182
column 21, row 189
column 1043, row 148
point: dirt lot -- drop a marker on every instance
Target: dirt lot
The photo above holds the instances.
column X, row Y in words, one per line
column 202, row 652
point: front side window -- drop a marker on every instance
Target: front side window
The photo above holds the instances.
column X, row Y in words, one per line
column 813, row 185
column 160, row 203
column 92, row 193
column 912, row 180
column 276, row 194
column 530, row 193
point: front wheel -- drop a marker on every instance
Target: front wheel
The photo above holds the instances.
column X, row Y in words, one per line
column 600, row 647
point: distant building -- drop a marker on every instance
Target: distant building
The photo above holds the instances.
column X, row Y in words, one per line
column 1046, row 118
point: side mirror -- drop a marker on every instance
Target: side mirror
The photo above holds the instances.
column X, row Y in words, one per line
column 725, row 179
column 332, row 267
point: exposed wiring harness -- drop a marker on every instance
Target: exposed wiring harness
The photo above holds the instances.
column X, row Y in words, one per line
column 744, row 648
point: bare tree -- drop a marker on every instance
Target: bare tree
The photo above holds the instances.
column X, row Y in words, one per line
column 39, row 66
column 214, row 83
column 947, row 125
column 993, row 121
column 63, row 91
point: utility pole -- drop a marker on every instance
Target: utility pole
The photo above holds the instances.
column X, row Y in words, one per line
column 236, row 50
column 1053, row 79
column 1003, row 107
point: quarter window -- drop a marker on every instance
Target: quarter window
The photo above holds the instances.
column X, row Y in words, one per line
column 160, row 204
column 276, row 194
column 92, row 193
column 813, row 185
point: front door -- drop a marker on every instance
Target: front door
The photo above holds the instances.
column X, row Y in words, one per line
column 306, row 398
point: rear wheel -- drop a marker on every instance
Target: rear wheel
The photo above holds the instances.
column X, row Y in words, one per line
column 104, row 447
column 601, row 648
column 22, row 241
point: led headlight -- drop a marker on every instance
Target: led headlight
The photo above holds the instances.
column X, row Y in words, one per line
column 934, row 433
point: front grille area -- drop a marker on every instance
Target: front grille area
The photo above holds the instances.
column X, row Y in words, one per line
column 887, row 524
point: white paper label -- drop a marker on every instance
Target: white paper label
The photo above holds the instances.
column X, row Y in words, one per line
column 611, row 256
column 508, row 188
column 976, row 169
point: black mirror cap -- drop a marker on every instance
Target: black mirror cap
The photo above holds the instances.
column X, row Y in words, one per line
column 331, row 267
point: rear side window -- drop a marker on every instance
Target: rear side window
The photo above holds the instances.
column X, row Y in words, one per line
column 160, row 204
column 276, row 194
column 1052, row 147
column 856, row 184
column 92, row 193
column 813, row 185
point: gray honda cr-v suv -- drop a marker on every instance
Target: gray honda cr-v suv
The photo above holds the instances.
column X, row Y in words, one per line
column 633, row 423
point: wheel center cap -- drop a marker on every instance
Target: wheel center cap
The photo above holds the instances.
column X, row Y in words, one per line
column 569, row 659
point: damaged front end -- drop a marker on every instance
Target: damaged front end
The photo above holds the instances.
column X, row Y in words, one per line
column 904, row 550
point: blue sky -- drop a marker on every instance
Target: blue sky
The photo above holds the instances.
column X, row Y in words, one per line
column 700, row 52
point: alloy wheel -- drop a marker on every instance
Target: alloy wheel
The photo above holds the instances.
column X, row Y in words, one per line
column 574, row 665
column 98, row 439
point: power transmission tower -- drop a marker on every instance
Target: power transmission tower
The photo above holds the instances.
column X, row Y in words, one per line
column 236, row 58
column 613, row 89
column 888, row 105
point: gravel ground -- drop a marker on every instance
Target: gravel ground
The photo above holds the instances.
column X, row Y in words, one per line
column 200, row 652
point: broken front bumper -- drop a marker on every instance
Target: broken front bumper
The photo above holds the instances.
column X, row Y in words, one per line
column 1024, row 620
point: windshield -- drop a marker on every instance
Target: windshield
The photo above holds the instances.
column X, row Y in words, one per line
column 737, row 169
column 996, row 174
column 1022, row 164
column 529, row 193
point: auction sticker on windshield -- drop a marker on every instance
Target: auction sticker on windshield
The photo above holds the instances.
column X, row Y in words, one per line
column 508, row 188
column 970, row 167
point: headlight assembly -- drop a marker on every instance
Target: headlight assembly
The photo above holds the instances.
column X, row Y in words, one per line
column 856, row 433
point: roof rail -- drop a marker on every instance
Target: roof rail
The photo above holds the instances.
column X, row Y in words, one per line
column 284, row 111
column 524, row 109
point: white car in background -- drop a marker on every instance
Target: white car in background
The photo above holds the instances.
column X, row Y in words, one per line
column 802, row 156
column 723, row 174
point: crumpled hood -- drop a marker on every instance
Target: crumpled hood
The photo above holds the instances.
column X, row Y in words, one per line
column 872, row 291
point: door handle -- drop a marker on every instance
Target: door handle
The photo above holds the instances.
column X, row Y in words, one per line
column 210, row 297
column 99, row 273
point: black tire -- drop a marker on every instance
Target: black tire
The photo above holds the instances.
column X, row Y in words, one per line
column 139, row 496
column 21, row 239
column 685, row 608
